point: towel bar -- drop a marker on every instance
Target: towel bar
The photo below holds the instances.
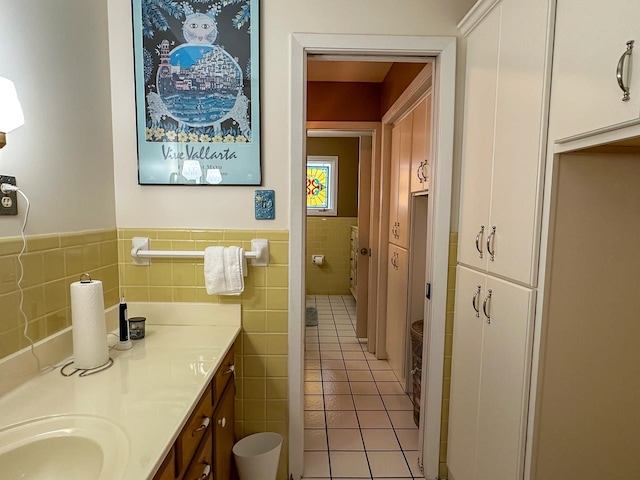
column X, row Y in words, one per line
column 141, row 254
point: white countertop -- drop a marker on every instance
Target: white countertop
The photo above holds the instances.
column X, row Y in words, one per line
column 149, row 391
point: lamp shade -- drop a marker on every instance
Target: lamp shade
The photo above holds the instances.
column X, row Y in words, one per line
column 11, row 116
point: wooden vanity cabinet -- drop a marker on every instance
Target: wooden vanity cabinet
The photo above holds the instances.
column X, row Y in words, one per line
column 203, row 449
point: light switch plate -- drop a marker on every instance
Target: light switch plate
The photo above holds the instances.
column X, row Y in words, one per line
column 265, row 204
column 8, row 201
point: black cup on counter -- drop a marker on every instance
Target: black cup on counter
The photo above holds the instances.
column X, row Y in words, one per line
column 136, row 327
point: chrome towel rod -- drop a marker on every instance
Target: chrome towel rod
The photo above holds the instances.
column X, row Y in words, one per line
column 141, row 253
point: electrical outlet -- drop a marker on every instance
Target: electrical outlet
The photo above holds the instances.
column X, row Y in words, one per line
column 265, row 204
column 8, row 201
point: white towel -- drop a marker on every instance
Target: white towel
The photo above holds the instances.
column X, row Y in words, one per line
column 224, row 270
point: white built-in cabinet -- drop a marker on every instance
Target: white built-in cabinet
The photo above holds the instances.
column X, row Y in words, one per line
column 421, row 145
column 492, row 334
column 590, row 43
column 397, row 289
column 503, row 158
column 401, row 135
column 503, row 140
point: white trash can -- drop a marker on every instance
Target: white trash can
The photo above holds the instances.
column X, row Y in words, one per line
column 257, row 456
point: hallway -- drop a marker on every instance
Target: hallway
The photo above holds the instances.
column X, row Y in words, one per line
column 358, row 422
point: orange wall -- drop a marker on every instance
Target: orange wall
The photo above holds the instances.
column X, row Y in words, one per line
column 343, row 101
column 396, row 81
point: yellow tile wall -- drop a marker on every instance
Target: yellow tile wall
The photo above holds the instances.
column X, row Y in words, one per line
column 262, row 348
column 329, row 236
column 50, row 264
column 448, row 349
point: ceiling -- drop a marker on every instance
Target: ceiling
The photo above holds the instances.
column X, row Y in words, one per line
column 347, row 71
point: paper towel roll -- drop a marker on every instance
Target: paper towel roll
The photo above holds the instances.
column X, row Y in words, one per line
column 90, row 348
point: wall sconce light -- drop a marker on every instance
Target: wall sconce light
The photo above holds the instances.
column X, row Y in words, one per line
column 11, row 116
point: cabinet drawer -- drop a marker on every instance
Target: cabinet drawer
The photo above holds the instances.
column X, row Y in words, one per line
column 201, row 467
column 194, row 430
column 222, row 376
column 168, row 469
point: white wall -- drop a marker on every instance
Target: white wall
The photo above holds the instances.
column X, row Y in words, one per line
column 56, row 53
column 232, row 207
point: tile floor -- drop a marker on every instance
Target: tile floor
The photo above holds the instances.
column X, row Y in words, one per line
column 358, row 421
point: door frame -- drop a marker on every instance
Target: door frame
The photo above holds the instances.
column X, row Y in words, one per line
column 443, row 49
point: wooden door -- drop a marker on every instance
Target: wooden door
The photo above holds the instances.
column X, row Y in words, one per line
column 504, row 380
column 465, row 373
column 590, row 38
column 478, row 134
column 519, row 145
column 396, row 329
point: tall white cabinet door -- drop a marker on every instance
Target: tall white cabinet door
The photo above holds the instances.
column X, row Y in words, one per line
column 590, row 38
column 396, row 330
column 478, row 133
column 404, row 179
column 504, row 380
column 518, row 157
column 465, row 374
column 393, row 191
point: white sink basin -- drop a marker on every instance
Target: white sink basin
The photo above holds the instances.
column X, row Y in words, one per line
column 65, row 447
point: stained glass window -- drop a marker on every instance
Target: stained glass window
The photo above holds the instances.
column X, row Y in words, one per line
column 322, row 178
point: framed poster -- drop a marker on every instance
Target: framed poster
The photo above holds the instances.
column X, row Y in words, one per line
column 197, row 91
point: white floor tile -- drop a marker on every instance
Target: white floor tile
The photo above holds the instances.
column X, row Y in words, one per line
column 342, row 419
column 388, row 464
column 312, row 355
column 313, row 388
column 408, row 438
column 363, row 388
column 315, row 439
column 379, row 439
column 353, row 355
column 314, row 419
column 368, row 402
column 316, row 464
column 355, row 347
column 345, row 439
column 312, row 376
column 333, row 364
column 397, row 402
column 312, row 364
column 334, row 375
column 402, row 419
column 313, row 402
column 338, row 402
column 356, row 365
column 412, row 460
column 373, row 419
column 336, row 388
column 379, row 365
column 390, row 388
column 349, row 464
column 360, row 376
column 384, row 376
column 332, row 355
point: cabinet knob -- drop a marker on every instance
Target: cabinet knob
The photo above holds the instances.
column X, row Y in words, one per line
column 231, row 369
column 364, row 251
column 222, row 422
column 203, row 426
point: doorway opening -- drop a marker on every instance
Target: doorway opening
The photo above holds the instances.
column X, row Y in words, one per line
column 443, row 51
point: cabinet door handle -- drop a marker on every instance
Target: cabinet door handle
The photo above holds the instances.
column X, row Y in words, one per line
column 490, row 248
column 203, row 426
column 231, row 369
column 486, row 305
column 206, row 471
column 620, row 71
column 418, row 171
column 479, row 237
column 222, row 422
column 474, row 301
column 424, row 175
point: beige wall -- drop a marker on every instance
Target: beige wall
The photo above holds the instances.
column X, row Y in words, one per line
column 163, row 207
